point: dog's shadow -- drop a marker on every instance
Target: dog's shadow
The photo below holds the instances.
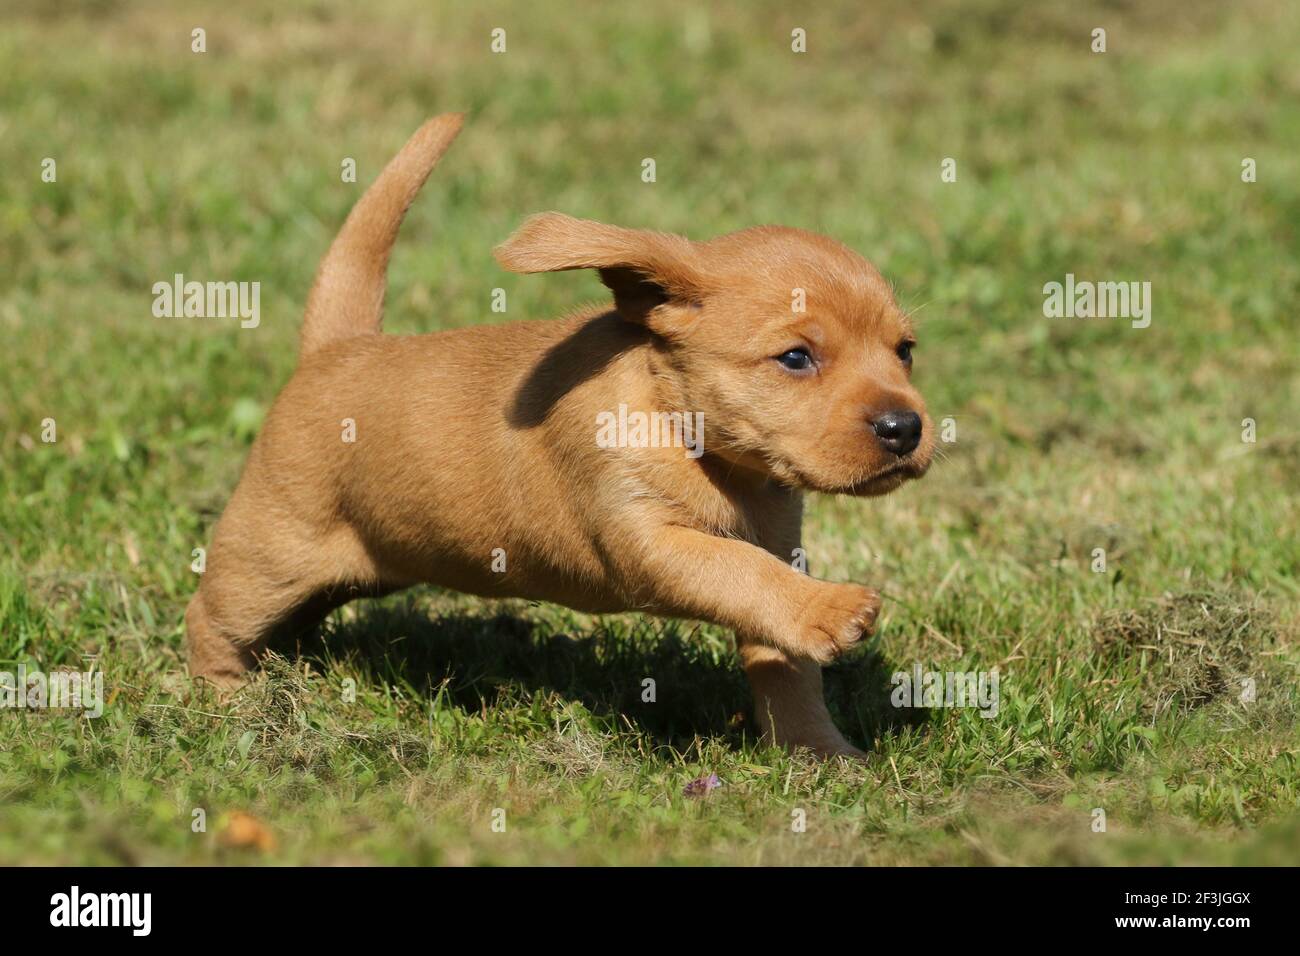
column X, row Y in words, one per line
column 697, row 690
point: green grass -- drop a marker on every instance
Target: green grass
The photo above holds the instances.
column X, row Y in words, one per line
column 1120, row 690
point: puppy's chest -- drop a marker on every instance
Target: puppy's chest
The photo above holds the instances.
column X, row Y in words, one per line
column 718, row 517
column 766, row 521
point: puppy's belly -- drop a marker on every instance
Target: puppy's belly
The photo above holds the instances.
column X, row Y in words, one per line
column 499, row 567
column 488, row 553
column 580, row 596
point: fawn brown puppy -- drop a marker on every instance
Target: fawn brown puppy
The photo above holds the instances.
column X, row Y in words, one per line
column 469, row 441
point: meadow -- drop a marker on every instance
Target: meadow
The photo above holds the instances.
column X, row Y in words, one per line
column 1155, row 682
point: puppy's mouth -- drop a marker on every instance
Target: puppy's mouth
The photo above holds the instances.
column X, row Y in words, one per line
column 887, row 479
column 882, row 482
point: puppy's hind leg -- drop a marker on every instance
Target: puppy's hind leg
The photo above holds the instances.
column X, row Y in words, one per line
column 218, row 653
column 260, row 585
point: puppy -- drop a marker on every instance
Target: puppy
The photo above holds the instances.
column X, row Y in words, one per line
column 472, row 459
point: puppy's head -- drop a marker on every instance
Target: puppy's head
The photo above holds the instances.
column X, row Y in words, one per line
column 789, row 343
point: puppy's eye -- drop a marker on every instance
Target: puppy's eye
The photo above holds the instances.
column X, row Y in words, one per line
column 904, row 352
column 796, row 360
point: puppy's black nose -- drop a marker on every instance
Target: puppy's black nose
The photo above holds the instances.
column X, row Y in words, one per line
column 899, row 432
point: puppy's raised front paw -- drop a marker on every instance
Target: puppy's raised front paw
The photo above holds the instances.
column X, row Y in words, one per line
column 838, row 617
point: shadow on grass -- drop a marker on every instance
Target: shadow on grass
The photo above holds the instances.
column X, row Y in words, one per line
column 494, row 659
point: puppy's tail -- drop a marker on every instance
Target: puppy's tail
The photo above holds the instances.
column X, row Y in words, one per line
column 347, row 298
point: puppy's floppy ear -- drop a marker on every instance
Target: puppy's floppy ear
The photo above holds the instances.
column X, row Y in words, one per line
column 643, row 269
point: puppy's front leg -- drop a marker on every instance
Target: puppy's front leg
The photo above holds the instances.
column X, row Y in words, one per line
column 788, row 701
column 683, row 572
column 787, row 624
column 680, row 572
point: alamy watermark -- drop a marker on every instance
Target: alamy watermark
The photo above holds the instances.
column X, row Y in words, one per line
column 631, row 429
column 919, row 688
column 61, row 690
column 1098, row 300
column 133, row 911
column 208, row 300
